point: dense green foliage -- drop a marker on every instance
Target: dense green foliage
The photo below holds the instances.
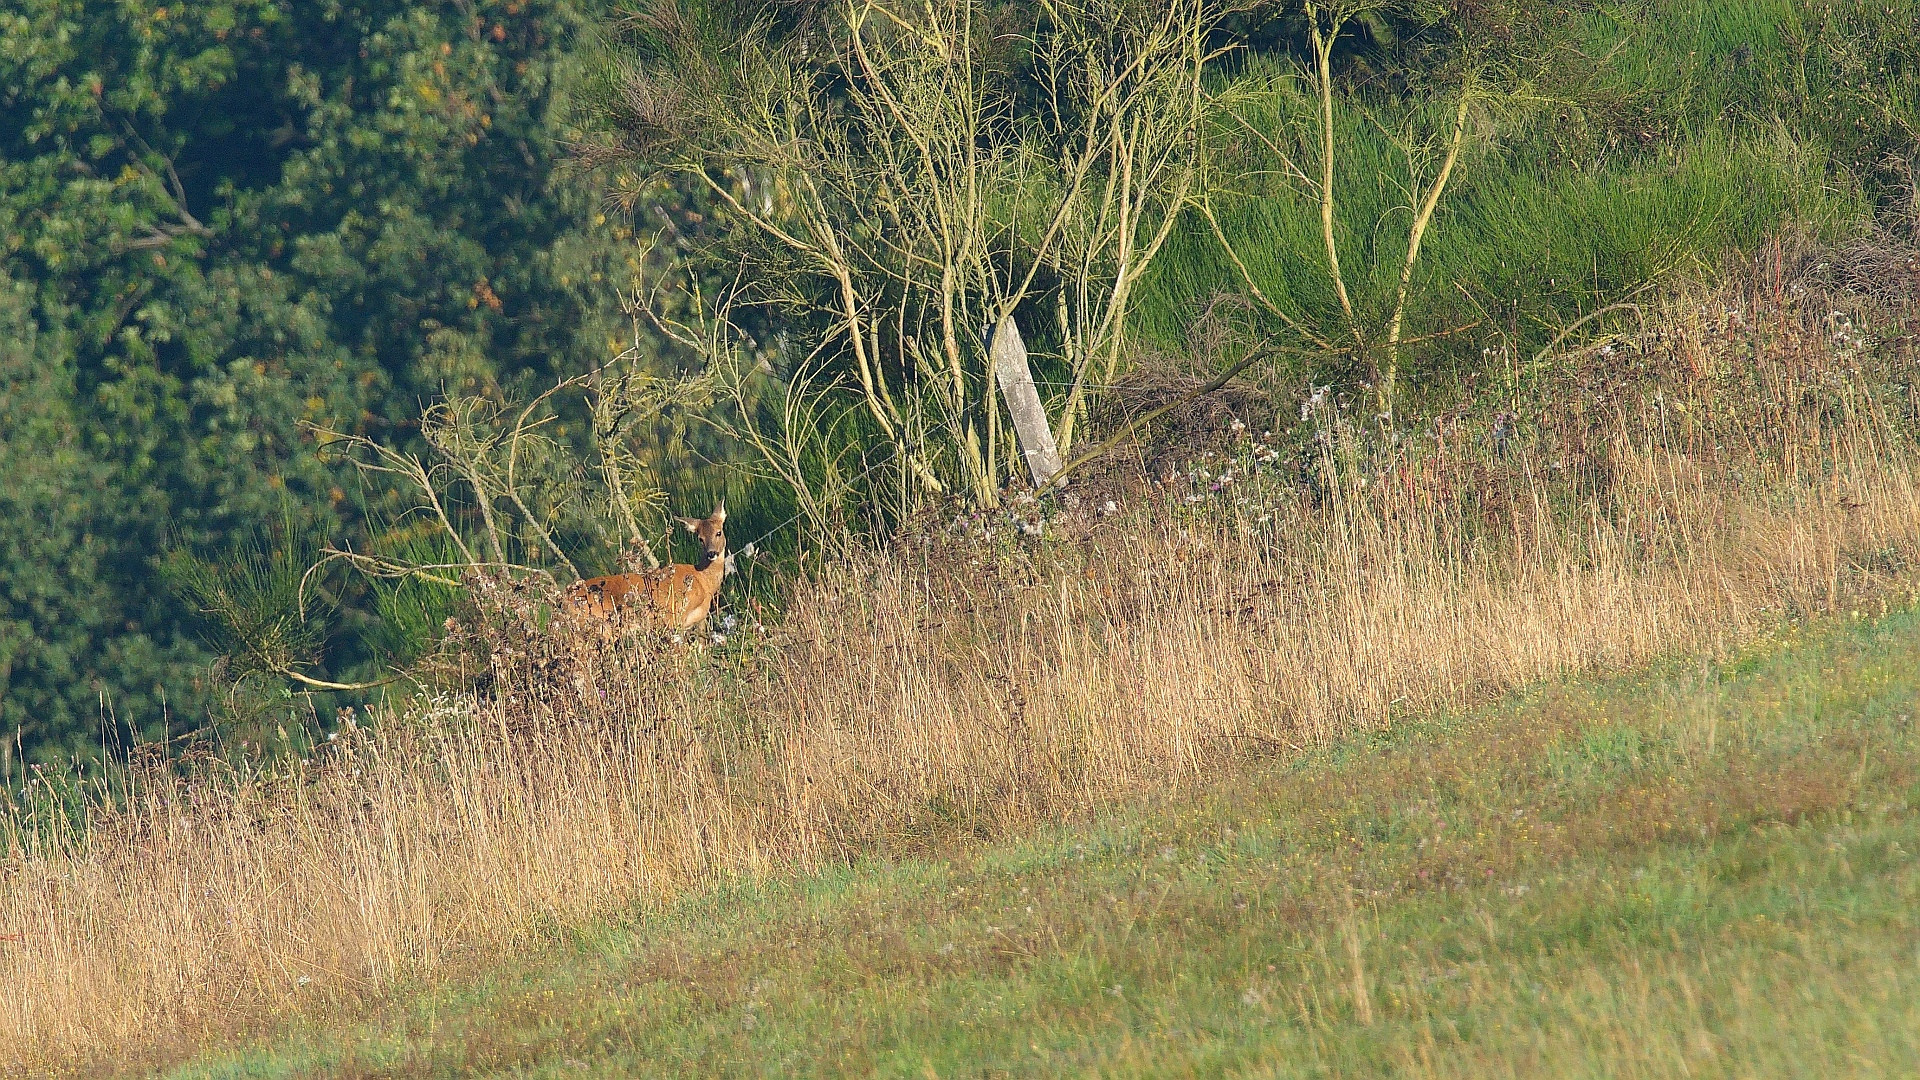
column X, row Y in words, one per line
column 221, row 220
column 1705, row 871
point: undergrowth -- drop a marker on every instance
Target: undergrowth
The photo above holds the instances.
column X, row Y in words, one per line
column 1708, row 869
column 1746, row 461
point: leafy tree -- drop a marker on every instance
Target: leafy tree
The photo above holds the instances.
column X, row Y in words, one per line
column 222, row 220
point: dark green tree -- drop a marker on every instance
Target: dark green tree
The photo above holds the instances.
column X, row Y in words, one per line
column 221, row 219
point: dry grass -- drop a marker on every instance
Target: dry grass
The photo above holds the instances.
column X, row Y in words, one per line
column 1749, row 465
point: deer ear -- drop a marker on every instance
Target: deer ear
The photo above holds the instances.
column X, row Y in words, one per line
column 693, row 526
column 719, row 511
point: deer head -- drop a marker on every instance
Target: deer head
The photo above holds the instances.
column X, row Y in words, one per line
column 711, row 532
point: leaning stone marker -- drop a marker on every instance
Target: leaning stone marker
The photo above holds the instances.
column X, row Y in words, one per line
column 1009, row 358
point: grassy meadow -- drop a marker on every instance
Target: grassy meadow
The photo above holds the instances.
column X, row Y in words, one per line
column 976, row 682
column 1710, row 869
column 1562, row 727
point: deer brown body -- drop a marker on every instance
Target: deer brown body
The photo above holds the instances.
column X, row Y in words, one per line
column 679, row 596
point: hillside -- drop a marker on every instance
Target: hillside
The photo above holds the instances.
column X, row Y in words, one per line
column 1475, row 634
column 1705, row 870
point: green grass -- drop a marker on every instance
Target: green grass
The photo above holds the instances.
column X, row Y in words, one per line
column 1620, row 143
column 1702, row 871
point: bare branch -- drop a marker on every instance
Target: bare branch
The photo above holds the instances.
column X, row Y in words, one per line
column 1421, row 219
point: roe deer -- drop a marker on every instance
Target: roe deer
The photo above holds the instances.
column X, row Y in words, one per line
column 679, row 596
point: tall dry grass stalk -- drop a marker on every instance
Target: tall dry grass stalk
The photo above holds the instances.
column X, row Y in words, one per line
column 1749, row 471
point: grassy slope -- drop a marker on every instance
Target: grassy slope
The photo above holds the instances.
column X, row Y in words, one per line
column 1622, row 143
column 1704, row 871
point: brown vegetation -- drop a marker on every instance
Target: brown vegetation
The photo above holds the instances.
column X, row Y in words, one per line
column 1749, row 463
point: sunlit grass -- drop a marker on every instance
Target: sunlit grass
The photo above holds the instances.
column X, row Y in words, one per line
column 957, row 686
column 1706, row 871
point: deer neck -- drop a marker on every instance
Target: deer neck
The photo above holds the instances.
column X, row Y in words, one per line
column 712, row 573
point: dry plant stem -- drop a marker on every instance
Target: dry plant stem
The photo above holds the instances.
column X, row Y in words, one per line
column 1253, row 289
column 1582, row 321
column 1362, row 1001
column 467, row 467
column 323, row 684
column 407, row 466
column 1323, row 59
column 521, row 428
column 1421, row 219
column 1113, row 329
column 604, row 404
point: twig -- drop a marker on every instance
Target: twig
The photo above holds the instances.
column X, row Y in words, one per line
column 1206, row 211
column 1421, row 219
column 1577, row 323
